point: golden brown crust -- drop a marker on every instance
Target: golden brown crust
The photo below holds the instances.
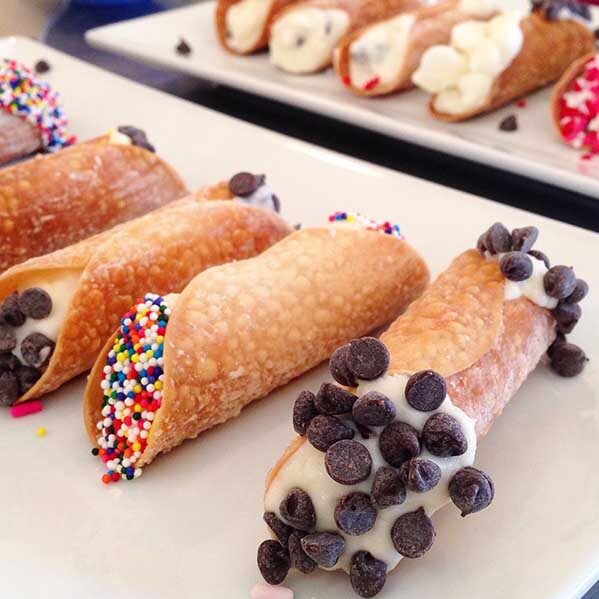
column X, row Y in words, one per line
column 18, row 138
column 52, row 201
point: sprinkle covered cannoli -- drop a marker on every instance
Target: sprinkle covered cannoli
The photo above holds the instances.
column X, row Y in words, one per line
column 57, row 311
column 239, row 331
column 395, row 438
column 487, row 65
column 54, row 200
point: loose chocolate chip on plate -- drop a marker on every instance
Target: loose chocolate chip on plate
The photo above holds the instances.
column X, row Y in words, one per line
column 273, row 562
column 367, row 574
column 245, row 184
column 8, row 339
column 183, row 48
column 540, row 256
column 348, row 462
column 498, row 239
column 559, row 281
column 303, row 412
column 471, row 490
column 10, row 312
column 8, row 363
column 27, row 377
column 398, row 443
column 568, row 359
column 339, row 368
column 387, row 488
column 426, row 390
column 35, row 303
column 331, row 400
column 442, row 435
column 567, row 316
column 36, row 349
column 137, row 136
column 281, row 530
column 419, row 475
column 367, row 358
column 325, row 548
column 323, row 431
column 509, row 123
column 413, row 534
column 516, row 266
column 355, row 514
column 41, row 66
column 373, row 409
column 524, row 238
column 579, row 293
column 9, row 388
column 298, row 510
column 297, row 556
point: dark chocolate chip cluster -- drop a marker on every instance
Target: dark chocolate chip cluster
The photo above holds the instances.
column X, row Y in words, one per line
column 559, row 282
column 331, row 420
column 17, row 378
column 248, row 186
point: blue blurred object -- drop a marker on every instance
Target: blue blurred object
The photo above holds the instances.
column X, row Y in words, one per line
column 109, row 2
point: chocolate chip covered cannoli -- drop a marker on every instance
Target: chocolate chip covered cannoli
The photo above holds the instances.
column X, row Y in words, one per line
column 487, row 65
column 51, row 201
column 238, row 332
column 395, row 439
column 57, row 311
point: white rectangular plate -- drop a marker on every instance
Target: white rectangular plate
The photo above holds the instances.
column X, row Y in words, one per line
column 190, row 526
column 533, row 150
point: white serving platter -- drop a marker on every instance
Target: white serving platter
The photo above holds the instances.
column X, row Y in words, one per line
column 533, row 151
column 189, row 527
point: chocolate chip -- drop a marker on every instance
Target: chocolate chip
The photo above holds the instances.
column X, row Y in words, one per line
column 303, row 412
column 245, row 184
column 367, row 358
column 298, row 510
column 9, row 388
column 273, row 562
column 413, row 534
column 387, row 488
column 36, row 349
column 331, row 400
column 323, row 431
column 559, row 339
column 348, row 462
column 540, row 256
column 426, row 390
column 10, row 312
column 568, row 359
column 339, row 369
column 567, row 316
column 276, row 203
column 498, row 239
column 524, row 238
column 281, row 530
column 35, row 303
column 183, row 48
column 27, row 377
column 355, row 514
column 559, row 282
column 509, row 123
column 471, row 490
column 364, row 431
column 516, row 266
column 373, row 409
column 419, row 475
column 443, row 436
column 8, row 339
column 297, row 556
column 137, row 136
column 325, row 548
column 367, row 574
column 579, row 293
column 41, row 66
column 398, row 443
column 8, row 363
column 300, row 40
column 480, row 244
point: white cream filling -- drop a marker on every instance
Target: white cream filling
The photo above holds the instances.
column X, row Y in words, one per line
column 262, row 198
column 303, row 40
column 461, row 74
column 117, row 138
column 380, row 52
column 245, row 22
column 487, row 8
column 306, row 470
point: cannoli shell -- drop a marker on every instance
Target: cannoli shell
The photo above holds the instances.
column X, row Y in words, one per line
column 18, row 138
column 239, row 331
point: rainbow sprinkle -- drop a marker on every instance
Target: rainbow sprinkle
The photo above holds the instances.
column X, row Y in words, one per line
column 132, row 388
column 371, row 225
column 25, row 96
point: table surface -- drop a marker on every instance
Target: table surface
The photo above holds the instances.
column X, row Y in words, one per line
column 62, row 25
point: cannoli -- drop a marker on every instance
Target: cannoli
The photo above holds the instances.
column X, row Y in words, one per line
column 304, row 35
column 57, row 311
column 490, row 64
column 243, row 26
column 239, row 331
column 31, row 114
column 396, row 438
column 52, row 201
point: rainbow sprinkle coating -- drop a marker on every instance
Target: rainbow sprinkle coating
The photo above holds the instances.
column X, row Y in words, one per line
column 371, row 225
column 132, row 388
column 25, row 96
